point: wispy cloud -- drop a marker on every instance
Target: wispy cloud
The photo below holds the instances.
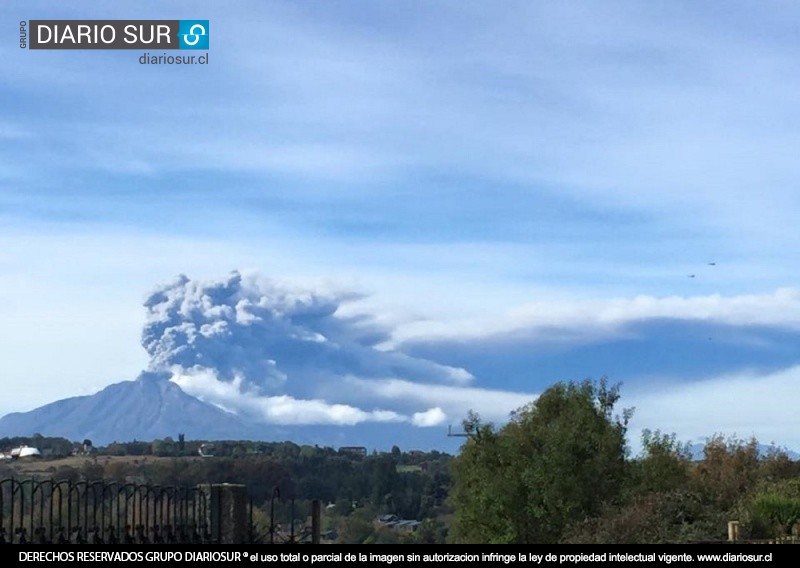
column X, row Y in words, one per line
column 235, row 397
column 743, row 405
column 553, row 319
column 453, row 401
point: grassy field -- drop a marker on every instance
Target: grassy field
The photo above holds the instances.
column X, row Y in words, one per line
column 47, row 466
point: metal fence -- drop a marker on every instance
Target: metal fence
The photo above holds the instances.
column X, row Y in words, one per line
column 294, row 531
column 99, row 512
column 35, row 511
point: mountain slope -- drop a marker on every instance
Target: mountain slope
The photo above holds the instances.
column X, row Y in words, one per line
column 144, row 409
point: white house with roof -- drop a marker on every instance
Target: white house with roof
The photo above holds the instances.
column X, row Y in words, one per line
column 24, row 452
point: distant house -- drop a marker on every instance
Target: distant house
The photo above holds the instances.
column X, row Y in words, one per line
column 25, row 452
column 83, row 449
column 353, row 450
column 394, row 522
column 404, row 525
column 206, row 450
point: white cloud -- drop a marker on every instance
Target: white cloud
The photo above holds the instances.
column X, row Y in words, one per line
column 286, row 410
column 453, row 401
column 433, row 417
column 233, row 396
column 742, row 404
column 552, row 318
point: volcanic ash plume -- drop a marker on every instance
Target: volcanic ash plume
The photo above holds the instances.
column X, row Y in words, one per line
column 255, row 338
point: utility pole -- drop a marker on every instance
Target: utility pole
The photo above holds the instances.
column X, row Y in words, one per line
column 451, row 434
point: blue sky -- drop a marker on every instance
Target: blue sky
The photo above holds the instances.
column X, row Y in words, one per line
column 518, row 193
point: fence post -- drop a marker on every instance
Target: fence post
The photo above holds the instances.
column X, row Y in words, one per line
column 315, row 521
column 228, row 511
column 733, row 531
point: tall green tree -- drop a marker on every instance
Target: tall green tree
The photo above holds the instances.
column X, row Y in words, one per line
column 559, row 460
column 664, row 465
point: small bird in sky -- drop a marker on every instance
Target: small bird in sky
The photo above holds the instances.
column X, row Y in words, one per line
column 691, row 276
column 712, row 263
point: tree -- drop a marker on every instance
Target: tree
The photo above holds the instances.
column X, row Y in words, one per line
column 655, row 506
column 779, row 511
column 559, row 460
column 355, row 529
column 650, row 518
column 729, row 469
column 773, row 509
column 664, row 465
column 483, row 492
column 384, row 482
column 430, row 531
